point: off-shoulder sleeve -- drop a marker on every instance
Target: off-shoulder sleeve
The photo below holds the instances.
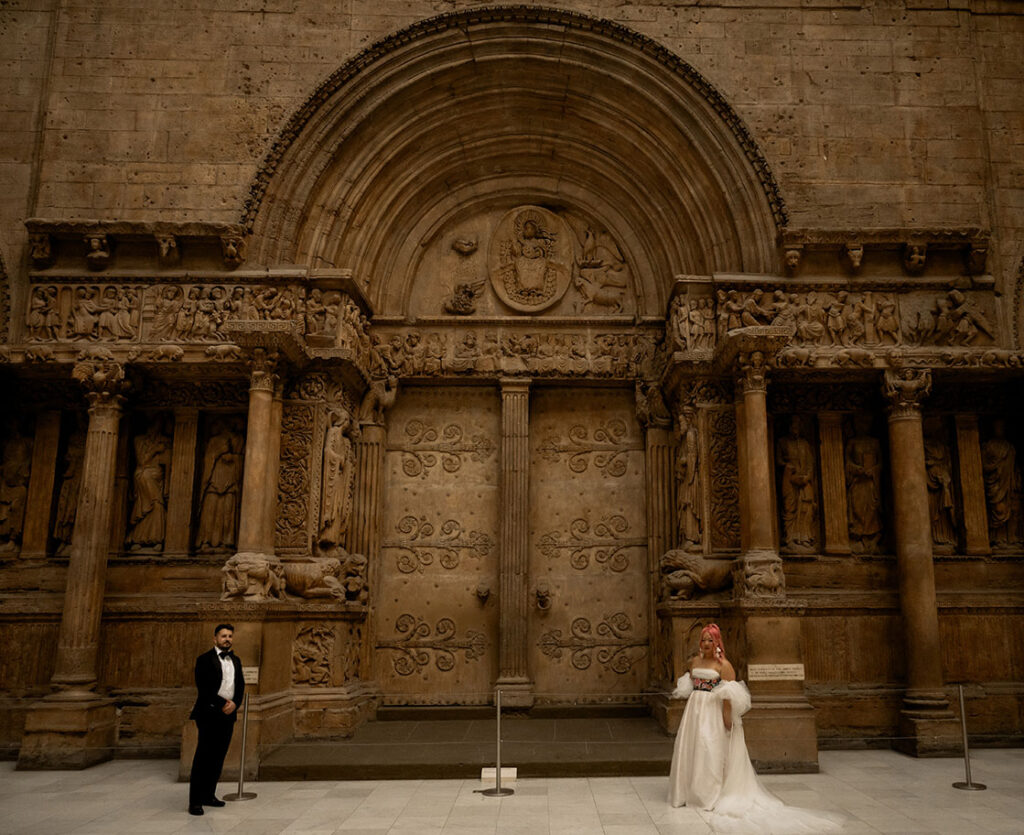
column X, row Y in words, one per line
column 684, row 687
column 737, row 694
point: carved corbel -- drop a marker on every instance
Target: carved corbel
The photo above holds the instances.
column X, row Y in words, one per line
column 915, row 255
column 379, row 397
column 97, row 251
column 40, row 248
column 976, row 257
column 792, row 258
column 233, row 250
column 167, row 250
column 853, row 256
column 651, row 410
column 906, row 389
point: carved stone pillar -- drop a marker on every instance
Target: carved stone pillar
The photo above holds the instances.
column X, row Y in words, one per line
column 182, row 482
column 926, row 723
column 833, row 483
column 513, row 677
column 761, row 573
column 255, row 573
column 74, row 727
column 972, row 485
column 36, row 531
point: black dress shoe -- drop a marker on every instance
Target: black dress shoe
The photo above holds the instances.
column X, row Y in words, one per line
column 195, row 810
column 213, row 801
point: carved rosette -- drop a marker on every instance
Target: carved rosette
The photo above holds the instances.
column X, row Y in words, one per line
column 906, row 389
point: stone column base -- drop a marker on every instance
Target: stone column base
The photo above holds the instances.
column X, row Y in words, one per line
column 667, row 712
column 333, row 712
column 935, row 735
column 781, row 736
column 68, row 734
column 515, row 692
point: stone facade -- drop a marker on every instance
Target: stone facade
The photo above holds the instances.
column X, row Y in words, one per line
column 443, row 348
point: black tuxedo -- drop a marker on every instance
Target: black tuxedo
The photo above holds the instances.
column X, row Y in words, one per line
column 215, row 727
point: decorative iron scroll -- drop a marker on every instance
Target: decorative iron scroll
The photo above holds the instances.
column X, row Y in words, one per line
column 604, row 545
column 419, row 549
column 614, row 649
column 607, row 450
column 421, row 644
column 426, row 447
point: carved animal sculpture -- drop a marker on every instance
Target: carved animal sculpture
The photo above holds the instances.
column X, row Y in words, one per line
column 685, row 574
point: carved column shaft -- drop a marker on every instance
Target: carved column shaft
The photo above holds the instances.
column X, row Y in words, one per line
column 273, row 468
column 660, row 484
column 833, row 483
column 76, row 665
column 39, row 501
column 364, row 529
column 972, row 485
column 515, row 486
column 182, row 480
column 913, row 530
column 757, row 467
column 259, row 446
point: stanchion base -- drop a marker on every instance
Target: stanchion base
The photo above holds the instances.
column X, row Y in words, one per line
column 971, row 787
column 495, row 792
column 240, row 796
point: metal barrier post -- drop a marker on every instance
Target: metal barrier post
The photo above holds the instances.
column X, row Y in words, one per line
column 241, row 794
column 498, row 791
column 969, row 785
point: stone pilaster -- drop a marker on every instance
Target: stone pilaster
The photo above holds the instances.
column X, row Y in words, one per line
column 75, row 727
column 273, row 463
column 36, row 531
column 972, row 485
column 926, row 723
column 182, row 482
column 513, row 676
column 833, row 484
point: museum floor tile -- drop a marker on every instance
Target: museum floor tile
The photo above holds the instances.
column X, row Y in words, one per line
column 878, row 792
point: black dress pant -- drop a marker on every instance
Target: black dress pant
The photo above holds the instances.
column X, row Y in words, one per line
column 214, row 739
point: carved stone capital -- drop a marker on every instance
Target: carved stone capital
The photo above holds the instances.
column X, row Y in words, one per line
column 753, row 372
column 102, row 377
column 747, row 352
column 263, row 365
column 651, row 410
column 759, row 575
column 905, row 389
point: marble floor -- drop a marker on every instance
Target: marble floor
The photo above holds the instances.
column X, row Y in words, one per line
column 877, row 791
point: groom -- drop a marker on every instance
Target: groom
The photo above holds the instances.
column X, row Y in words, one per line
column 221, row 688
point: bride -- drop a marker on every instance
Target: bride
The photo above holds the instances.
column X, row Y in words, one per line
column 710, row 766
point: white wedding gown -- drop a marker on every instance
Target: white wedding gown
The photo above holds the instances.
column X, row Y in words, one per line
column 711, row 769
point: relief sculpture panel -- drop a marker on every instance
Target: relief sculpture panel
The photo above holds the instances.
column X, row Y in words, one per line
column 436, row 630
column 588, row 635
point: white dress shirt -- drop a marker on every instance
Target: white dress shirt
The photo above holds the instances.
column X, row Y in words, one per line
column 227, row 678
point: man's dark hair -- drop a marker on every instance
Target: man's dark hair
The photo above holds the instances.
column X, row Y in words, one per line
column 221, row 626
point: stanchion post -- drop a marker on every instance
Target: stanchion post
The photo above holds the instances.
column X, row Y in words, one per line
column 241, row 794
column 969, row 785
column 497, row 791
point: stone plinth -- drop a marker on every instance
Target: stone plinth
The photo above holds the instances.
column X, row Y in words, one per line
column 68, row 734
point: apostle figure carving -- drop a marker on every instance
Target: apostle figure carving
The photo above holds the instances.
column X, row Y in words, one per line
column 339, row 474
column 149, row 482
column 688, row 490
column 221, row 474
column 1002, row 486
column 864, row 486
column 795, row 459
column 67, row 498
column 939, row 472
column 14, row 475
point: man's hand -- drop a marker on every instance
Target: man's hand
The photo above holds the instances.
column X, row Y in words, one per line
column 229, row 707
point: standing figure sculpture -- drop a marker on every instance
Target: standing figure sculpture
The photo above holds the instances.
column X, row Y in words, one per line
column 339, row 474
column 939, row 473
column 149, row 507
column 14, row 475
column 1002, row 486
column 864, row 486
column 222, row 475
column 67, row 497
column 688, row 484
column 794, row 457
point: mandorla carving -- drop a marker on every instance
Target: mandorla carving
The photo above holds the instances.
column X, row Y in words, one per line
column 420, row 645
column 610, row 642
column 426, row 447
column 608, row 450
column 604, row 545
column 311, row 655
column 419, row 549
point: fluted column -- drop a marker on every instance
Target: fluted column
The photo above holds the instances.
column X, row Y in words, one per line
column 762, row 567
column 255, row 536
column 513, row 676
column 925, row 700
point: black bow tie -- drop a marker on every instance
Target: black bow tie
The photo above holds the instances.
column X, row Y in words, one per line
column 225, row 654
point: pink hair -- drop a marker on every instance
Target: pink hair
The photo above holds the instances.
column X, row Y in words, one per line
column 715, row 634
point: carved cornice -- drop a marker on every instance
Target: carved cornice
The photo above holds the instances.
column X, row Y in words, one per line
column 279, row 337
column 905, row 389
